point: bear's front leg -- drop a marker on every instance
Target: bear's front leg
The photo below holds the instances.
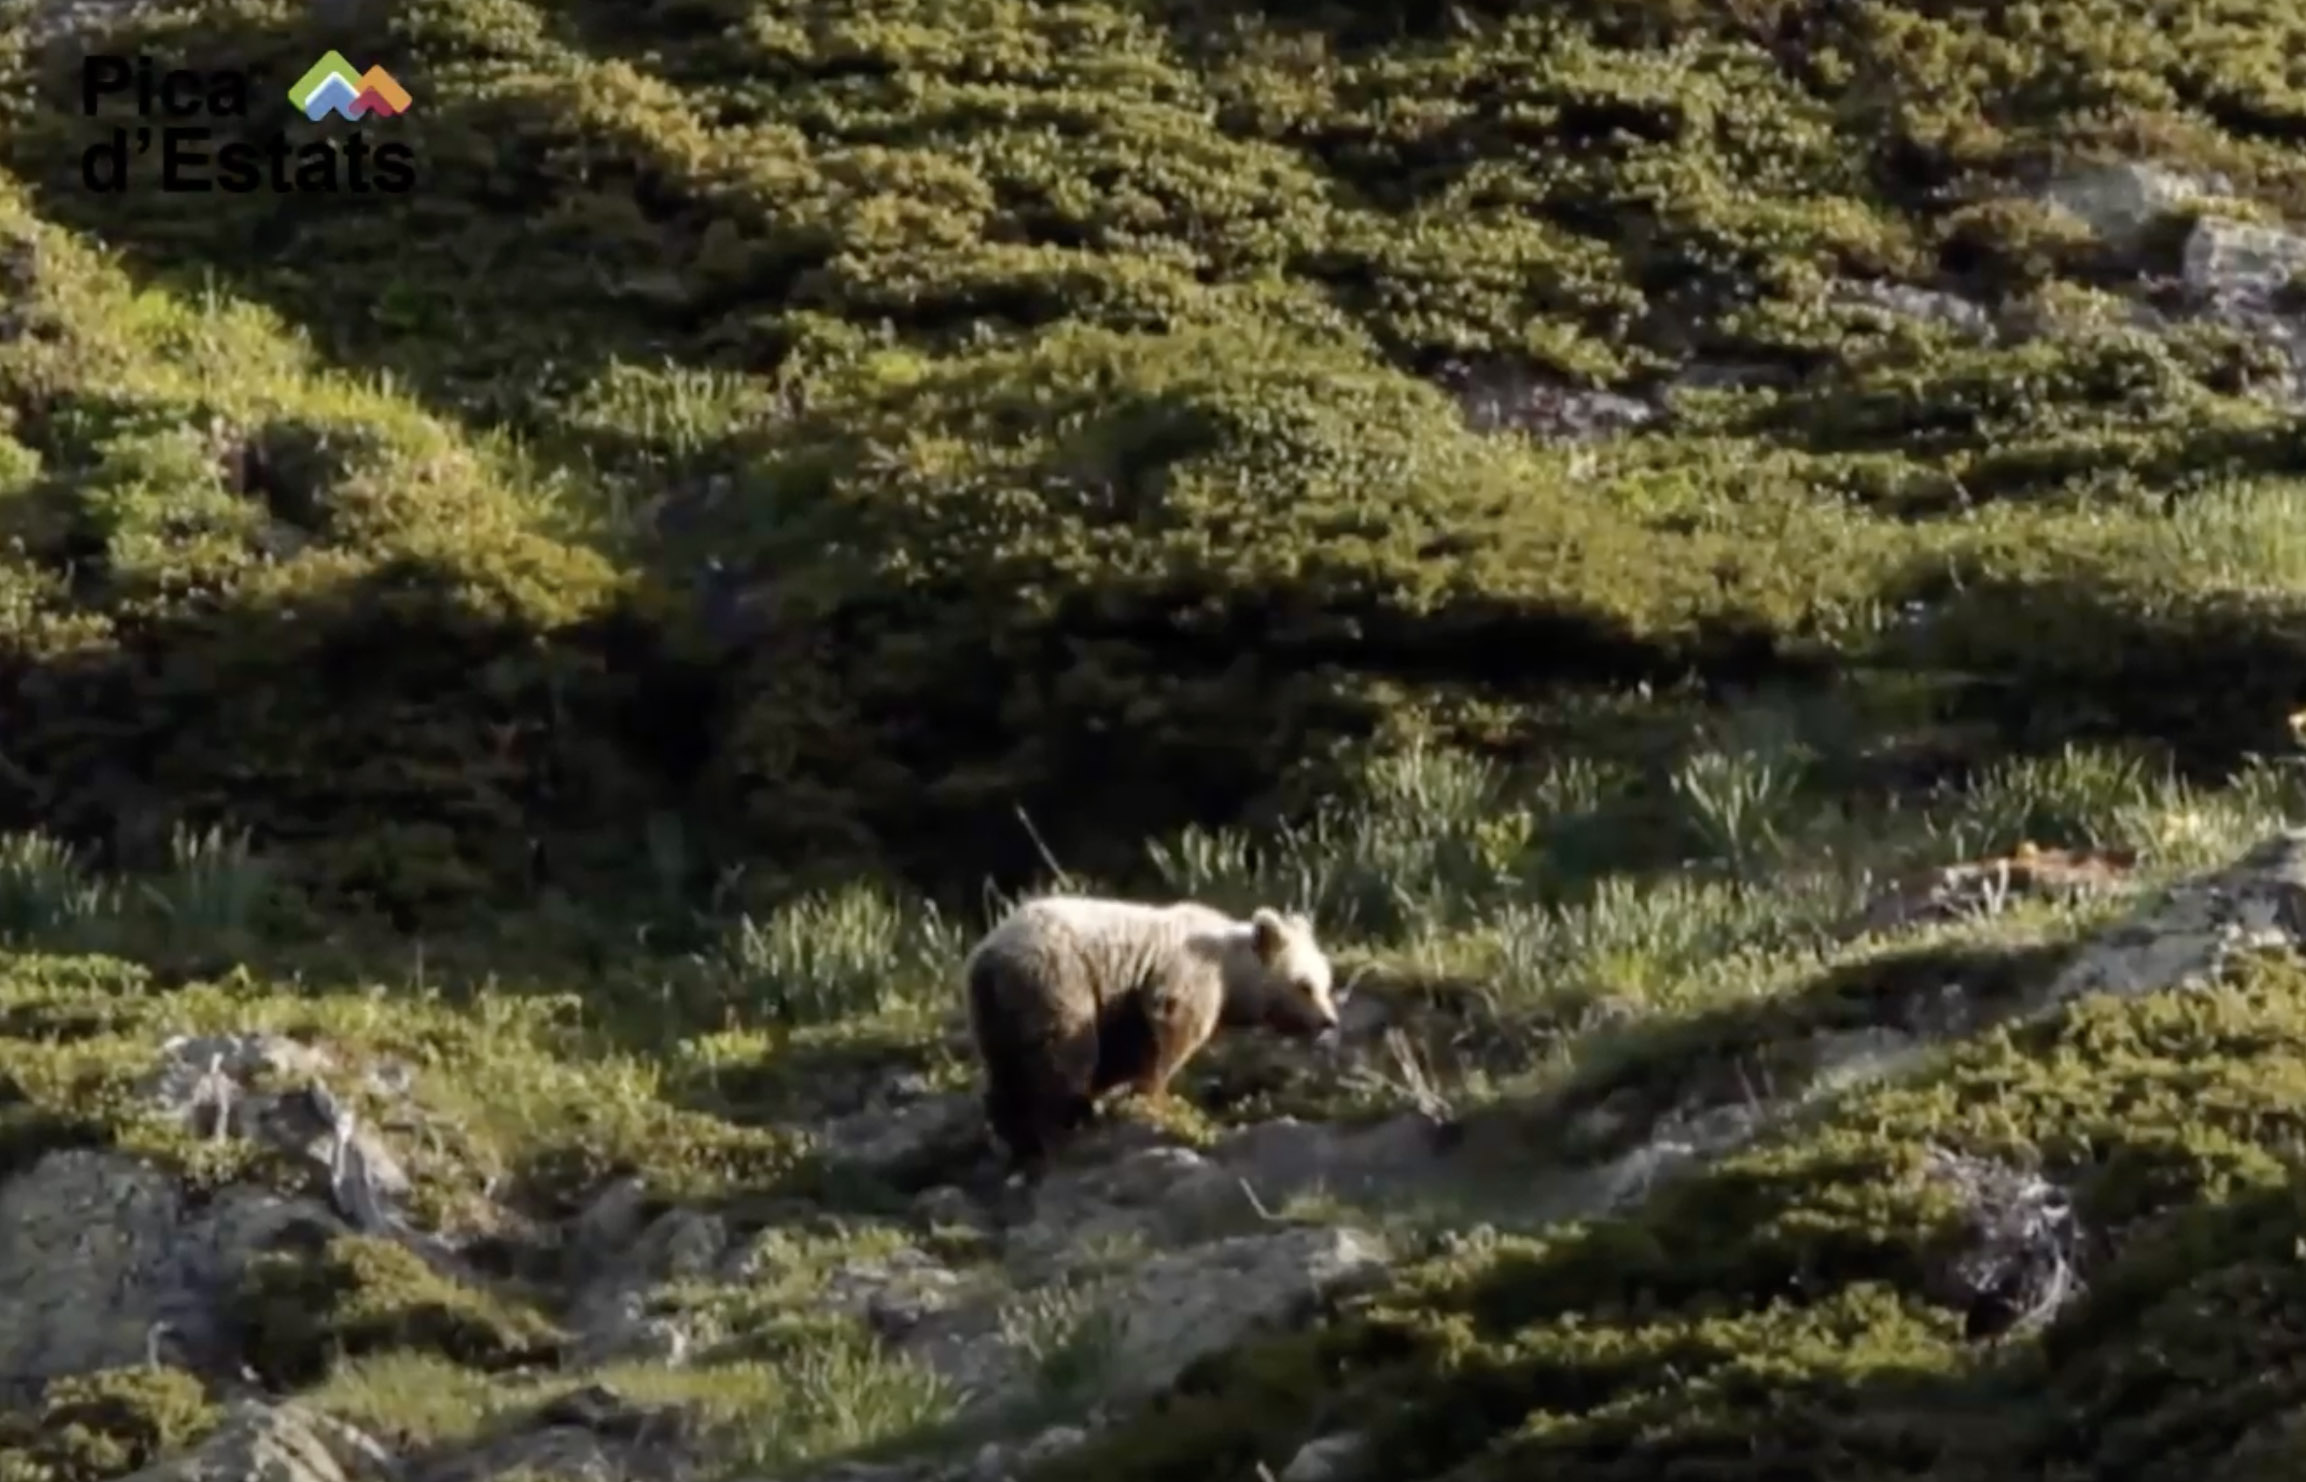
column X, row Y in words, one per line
column 1152, row 1087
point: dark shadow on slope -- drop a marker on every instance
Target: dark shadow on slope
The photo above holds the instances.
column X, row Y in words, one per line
column 2096, row 407
column 2106, row 650
column 1766, row 1050
column 404, row 748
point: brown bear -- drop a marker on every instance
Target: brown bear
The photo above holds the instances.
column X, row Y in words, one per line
column 1072, row 996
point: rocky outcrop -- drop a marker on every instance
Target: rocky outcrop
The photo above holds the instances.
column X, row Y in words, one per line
column 278, row 1443
column 107, row 1261
column 590, row 1432
column 2187, row 935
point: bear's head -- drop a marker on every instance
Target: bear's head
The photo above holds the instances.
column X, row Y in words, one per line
column 1294, row 991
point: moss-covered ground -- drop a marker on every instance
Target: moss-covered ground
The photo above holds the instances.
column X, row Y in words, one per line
column 591, row 628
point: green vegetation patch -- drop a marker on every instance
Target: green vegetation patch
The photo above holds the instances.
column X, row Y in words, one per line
column 509, row 1091
column 94, row 1427
column 313, row 603
column 839, row 429
column 301, row 1311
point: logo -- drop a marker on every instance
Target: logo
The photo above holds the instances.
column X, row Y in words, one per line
column 197, row 131
column 333, row 87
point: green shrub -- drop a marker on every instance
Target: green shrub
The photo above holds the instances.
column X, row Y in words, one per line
column 94, row 1427
column 302, row 1311
column 1056, row 411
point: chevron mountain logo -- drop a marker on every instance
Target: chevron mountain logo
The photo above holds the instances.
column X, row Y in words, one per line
column 332, row 86
column 193, row 131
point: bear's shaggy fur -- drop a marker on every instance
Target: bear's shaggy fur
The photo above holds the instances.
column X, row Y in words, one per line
column 1072, row 996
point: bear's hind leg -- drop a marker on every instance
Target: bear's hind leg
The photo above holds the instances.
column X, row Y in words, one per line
column 1072, row 1083
column 1013, row 1114
column 1046, row 1100
column 1173, row 1034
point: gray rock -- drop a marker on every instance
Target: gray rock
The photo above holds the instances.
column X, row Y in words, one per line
column 614, row 1310
column 2236, row 274
column 947, row 1205
column 2019, row 1263
column 1928, row 305
column 609, row 1224
column 896, row 1293
column 2188, row 935
column 1131, row 1332
column 1149, row 1197
column 1178, row 1307
column 935, row 1129
column 1329, row 1459
column 1286, row 1157
column 2119, row 202
column 997, row 1461
column 271, row 1089
column 1504, row 396
column 103, row 1259
column 277, row 1443
column 2226, row 259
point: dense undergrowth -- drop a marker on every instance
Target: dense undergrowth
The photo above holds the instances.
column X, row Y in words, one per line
column 1048, row 387
column 592, row 626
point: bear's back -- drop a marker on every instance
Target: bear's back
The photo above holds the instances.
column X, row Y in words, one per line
column 1070, row 955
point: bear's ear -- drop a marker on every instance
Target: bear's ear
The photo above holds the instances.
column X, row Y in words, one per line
column 1268, row 933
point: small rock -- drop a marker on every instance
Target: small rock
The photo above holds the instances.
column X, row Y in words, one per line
column 1929, row 305
column 917, row 1131
column 2235, row 260
column 276, row 1443
column 1329, row 1459
column 229, row 1085
column 998, row 1461
column 610, row 1223
column 2119, row 202
column 2019, row 1266
column 1051, row 1443
column 946, row 1205
column 682, row 1244
column 1182, row 1305
column 896, row 1293
column 1286, row 1157
column 1504, row 396
column 1362, row 1016
column 614, row 1310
